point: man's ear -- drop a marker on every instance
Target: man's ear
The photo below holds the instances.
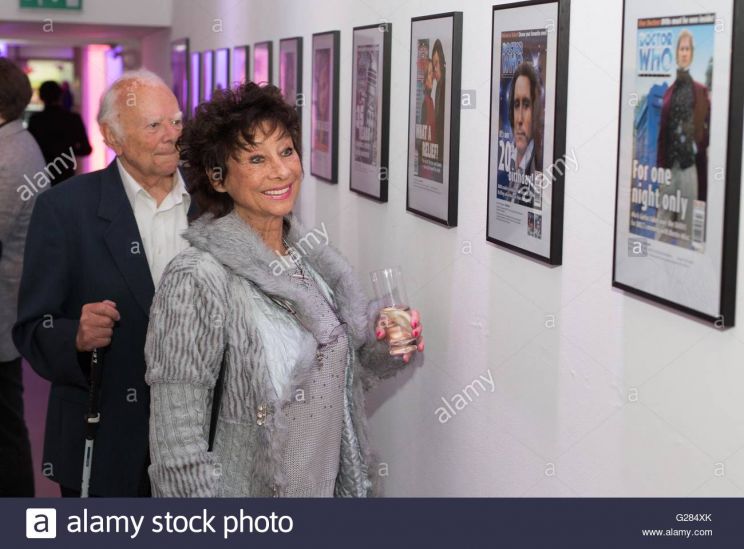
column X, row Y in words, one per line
column 110, row 138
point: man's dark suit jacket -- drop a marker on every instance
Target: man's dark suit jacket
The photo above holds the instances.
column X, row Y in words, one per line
column 83, row 246
column 701, row 122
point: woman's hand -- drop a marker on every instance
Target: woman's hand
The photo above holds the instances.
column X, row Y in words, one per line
column 416, row 330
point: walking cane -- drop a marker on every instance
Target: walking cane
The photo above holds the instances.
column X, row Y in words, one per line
column 92, row 419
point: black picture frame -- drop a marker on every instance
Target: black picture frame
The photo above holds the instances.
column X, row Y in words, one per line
column 382, row 141
column 180, row 73
column 449, row 162
column 221, row 68
column 207, row 75
column 554, row 249
column 240, row 74
column 291, row 96
column 732, row 136
column 195, row 82
column 328, row 71
column 268, row 47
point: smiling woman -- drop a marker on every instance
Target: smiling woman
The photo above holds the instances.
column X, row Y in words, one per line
column 257, row 375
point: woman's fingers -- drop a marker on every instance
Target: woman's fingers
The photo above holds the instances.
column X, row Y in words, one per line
column 419, row 348
column 416, row 326
column 379, row 328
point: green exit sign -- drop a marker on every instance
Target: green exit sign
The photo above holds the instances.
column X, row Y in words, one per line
column 53, row 4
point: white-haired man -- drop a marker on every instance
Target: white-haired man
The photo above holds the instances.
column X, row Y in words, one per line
column 96, row 249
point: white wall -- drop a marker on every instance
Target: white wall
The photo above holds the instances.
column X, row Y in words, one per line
column 621, row 398
column 155, row 53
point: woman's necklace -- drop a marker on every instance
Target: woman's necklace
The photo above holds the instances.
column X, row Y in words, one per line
column 295, row 257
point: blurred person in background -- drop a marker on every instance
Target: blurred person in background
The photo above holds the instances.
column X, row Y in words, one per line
column 19, row 156
column 68, row 100
column 60, row 133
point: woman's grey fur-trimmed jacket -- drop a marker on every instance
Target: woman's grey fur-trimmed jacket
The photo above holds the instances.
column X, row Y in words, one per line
column 221, row 298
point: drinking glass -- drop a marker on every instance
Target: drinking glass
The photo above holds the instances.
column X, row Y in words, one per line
column 395, row 314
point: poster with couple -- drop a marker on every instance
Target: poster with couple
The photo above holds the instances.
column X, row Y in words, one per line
column 527, row 160
column 676, row 223
column 434, row 117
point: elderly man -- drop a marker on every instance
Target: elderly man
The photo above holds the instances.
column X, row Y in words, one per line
column 96, row 249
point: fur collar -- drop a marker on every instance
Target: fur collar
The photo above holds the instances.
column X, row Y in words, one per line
column 241, row 250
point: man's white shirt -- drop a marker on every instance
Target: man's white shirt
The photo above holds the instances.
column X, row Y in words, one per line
column 160, row 227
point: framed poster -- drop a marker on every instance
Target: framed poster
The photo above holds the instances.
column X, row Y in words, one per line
column 194, row 81
column 434, row 117
column 207, row 73
column 324, row 115
column 679, row 155
column 527, row 138
column 221, row 69
column 262, row 66
column 180, row 72
column 290, row 71
column 370, row 110
column 240, row 64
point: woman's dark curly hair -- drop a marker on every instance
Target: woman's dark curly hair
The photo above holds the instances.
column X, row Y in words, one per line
column 224, row 126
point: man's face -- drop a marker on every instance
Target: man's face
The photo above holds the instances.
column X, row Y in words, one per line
column 684, row 52
column 437, row 63
column 429, row 80
column 522, row 114
column 150, row 122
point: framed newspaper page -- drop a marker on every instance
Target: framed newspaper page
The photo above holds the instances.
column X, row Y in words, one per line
column 527, row 137
column 324, row 113
column 194, row 82
column 434, row 117
column 180, row 73
column 679, row 155
column 263, row 67
column 370, row 110
column 221, row 69
column 290, row 71
column 207, row 75
column 241, row 60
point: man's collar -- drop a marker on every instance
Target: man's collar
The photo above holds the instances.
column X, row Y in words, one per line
column 132, row 187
